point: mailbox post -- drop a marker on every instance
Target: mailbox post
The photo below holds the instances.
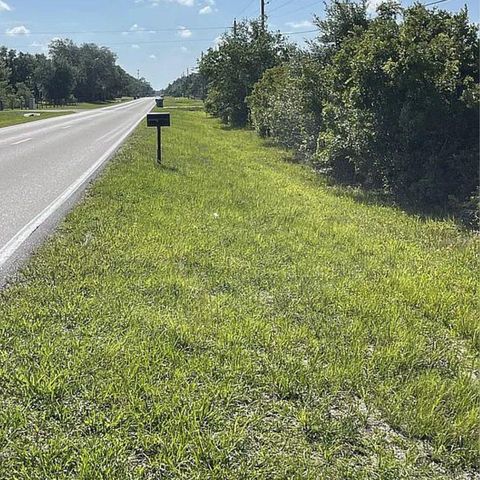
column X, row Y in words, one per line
column 158, row 120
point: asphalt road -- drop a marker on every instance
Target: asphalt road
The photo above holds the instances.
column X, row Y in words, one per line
column 44, row 166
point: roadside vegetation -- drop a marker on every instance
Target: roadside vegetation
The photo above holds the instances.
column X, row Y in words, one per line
column 192, row 86
column 15, row 117
column 229, row 315
column 388, row 102
column 69, row 74
column 86, row 105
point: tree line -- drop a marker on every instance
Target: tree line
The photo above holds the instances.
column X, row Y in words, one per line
column 69, row 73
column 192, row 85
column 389, row 102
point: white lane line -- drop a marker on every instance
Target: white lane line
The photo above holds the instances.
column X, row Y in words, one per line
column 116, row 130
column 22, row 235
column 21, row 141
column 66, row 126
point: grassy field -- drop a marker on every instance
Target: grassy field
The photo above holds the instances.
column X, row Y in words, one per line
column 229, row 316
column 89, row 105
column 15, row 117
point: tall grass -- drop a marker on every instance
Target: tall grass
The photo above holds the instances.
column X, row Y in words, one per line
column 229, row 316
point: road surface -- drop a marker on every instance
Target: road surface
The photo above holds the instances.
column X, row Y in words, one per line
column 45, row 164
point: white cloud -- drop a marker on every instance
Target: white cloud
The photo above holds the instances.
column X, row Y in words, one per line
column 372, row 6
column 184, row 49
column 5, row 7
column 208, row 7
column 184, row 32
column 302, row 24
column 152, row 56
column 135, row 46
column 136, row 28
column 17, row 31
column 39, row 45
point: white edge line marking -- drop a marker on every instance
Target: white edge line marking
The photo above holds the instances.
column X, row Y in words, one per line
column 21, row 141
column 21, row 236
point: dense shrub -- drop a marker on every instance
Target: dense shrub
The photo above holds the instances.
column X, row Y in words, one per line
column 402, row 106
column 389, row 101
column 232, row 69
column 393, row 101
column 281, row 107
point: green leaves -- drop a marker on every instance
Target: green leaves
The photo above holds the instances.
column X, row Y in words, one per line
column 233, row 68
column 392, row 100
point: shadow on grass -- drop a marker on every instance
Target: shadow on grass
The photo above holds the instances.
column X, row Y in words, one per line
column 464, row 218
column 233, row 128
column 289, row 156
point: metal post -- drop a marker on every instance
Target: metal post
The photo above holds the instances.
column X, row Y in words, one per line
column 159, row 145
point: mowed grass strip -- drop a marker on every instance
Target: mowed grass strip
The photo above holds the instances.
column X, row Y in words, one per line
column 16, row 117
column 229, row 316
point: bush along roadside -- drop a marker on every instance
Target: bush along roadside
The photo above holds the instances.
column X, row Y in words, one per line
column 389, row 102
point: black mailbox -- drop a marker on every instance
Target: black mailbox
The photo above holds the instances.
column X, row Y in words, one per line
column 158, row 120
column 159, row 102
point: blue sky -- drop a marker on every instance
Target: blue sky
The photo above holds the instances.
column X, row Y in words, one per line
column 160, row 38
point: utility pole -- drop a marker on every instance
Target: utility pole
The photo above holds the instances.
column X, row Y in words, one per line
column 234, row 27
column 262, row 7
column 138, row 74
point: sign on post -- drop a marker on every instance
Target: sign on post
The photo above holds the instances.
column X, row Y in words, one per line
column 158, row 120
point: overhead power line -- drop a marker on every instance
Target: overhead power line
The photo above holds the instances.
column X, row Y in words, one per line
column 247, row 7
column 176, row 41
column 280, row 6
column 434, row 3
column 291, row 12
column 142, row 30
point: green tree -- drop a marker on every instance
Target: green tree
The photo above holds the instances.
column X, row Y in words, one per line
column 193, row 86
column 4, row 82
column 58, row 80
column 232, row 69
column 23, row 94
column 285, row 104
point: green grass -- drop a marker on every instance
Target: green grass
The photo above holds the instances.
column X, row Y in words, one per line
column 229, row 316
column 15, row 117
column 86, row 105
